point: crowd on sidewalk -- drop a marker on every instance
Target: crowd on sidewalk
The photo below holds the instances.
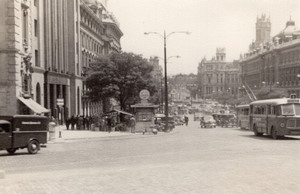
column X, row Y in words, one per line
column 106, row 123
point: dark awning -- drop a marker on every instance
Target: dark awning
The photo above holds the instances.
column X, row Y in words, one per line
column 33, row 105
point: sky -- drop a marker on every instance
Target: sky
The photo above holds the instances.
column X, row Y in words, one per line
column 229, row 24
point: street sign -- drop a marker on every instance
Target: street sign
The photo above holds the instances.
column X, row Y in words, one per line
column 60, row 101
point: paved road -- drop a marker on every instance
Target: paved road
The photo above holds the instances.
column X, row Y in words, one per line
column 188, row 160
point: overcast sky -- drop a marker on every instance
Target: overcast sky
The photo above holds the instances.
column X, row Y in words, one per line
column 212, row 23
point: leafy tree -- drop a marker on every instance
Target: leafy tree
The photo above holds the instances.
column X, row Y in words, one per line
column 121, row 76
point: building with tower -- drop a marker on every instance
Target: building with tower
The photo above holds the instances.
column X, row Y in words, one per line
column 263, row 32
column 275, row 63
column 217, row 76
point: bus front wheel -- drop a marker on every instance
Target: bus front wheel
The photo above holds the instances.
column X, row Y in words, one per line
column 256, row 133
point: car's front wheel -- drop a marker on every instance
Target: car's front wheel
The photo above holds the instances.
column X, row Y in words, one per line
column 33, row 147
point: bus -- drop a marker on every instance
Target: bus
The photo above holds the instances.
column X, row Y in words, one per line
column 242, row 113
column 275, row 117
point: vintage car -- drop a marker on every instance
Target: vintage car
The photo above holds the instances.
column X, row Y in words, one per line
column 207, row 121
column 23, row 131
column 160, row 121
column 225, row 119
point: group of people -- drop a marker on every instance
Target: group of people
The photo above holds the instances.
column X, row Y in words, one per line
column 110, row 122
column 79, row 122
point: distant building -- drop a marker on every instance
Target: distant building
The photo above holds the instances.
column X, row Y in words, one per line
column 216, row 76
column 276, row 63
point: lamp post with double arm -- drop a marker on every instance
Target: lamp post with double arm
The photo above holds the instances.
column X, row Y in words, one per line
column 165, row 36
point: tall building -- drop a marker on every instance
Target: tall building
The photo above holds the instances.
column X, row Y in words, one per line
column 21, row 57
column 276, row 63
column 100, row 34
column 216, row 76
column 46, row 47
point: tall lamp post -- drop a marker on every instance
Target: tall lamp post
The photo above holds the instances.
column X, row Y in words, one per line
column 165, row 36
column 176, row 56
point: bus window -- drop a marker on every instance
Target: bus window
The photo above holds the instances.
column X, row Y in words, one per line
column 297, row 109
column 277, row 110
column 263, row 110
column 288, row 109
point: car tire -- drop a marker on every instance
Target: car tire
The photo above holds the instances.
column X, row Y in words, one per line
column 33, row 147
column 11, row 150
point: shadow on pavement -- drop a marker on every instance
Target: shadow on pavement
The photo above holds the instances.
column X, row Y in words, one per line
column 267, row 137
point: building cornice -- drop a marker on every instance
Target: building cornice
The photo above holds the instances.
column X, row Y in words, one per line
column 92, row 14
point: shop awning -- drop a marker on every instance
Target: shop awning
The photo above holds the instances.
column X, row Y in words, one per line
column 33, row 105
column 120, row 111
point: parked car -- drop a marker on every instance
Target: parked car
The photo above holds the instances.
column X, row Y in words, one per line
column 225, row 119
column 160, row 119
column 207, row 121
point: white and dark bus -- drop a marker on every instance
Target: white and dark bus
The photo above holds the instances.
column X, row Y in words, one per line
column 275, row 117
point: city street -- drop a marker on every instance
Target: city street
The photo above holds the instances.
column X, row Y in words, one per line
column 189, row 159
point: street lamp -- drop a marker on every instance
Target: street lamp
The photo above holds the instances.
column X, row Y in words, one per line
column 165, row 63
column 176, row 56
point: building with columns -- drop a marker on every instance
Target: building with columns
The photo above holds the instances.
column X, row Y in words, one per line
column 216, row 76
column 275, row 63
column 46, row 47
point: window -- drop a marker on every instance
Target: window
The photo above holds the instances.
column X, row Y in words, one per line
column 36, row 58
column 35, row 28
column 35, row 3
column 38, row 93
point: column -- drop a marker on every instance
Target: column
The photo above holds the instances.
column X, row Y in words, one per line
column 54, row 105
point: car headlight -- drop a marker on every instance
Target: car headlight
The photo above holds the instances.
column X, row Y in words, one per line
column 282, row 125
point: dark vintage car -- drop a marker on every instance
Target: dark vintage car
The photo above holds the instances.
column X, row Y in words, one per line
column 160, row 121
column 23, row 131
column 207, row 121
column 225, row 119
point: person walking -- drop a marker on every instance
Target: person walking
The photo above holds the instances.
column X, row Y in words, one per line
column 73, row 122
column 68, row 122
column 186, row 120
column 109, row 123
column 132, row 124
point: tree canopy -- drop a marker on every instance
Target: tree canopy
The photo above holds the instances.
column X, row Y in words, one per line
column 121, row 76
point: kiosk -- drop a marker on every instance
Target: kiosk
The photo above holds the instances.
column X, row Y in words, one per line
column 144, row 113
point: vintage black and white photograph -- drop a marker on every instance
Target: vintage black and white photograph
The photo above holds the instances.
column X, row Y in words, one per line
column 149, row 96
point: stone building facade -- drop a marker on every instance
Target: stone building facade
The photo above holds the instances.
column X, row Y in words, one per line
column 275, row 63
column 216, row 76
column 99, row 34
column 45, row 49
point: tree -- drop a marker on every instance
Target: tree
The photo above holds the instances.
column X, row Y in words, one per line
column 121, row 76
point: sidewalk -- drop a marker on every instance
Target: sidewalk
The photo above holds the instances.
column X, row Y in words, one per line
column 62, row 134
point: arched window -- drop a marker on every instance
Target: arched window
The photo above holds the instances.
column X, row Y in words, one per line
column 38, row 93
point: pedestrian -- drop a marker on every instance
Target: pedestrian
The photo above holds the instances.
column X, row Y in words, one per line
column 132, row 124
column 186, row 120
column 109, row 123
column 68, row 122
column 83, row 122
column 73, row 122
column 87, row 123
column 77, row 123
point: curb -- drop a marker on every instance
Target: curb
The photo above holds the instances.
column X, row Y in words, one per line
column 2, row 174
